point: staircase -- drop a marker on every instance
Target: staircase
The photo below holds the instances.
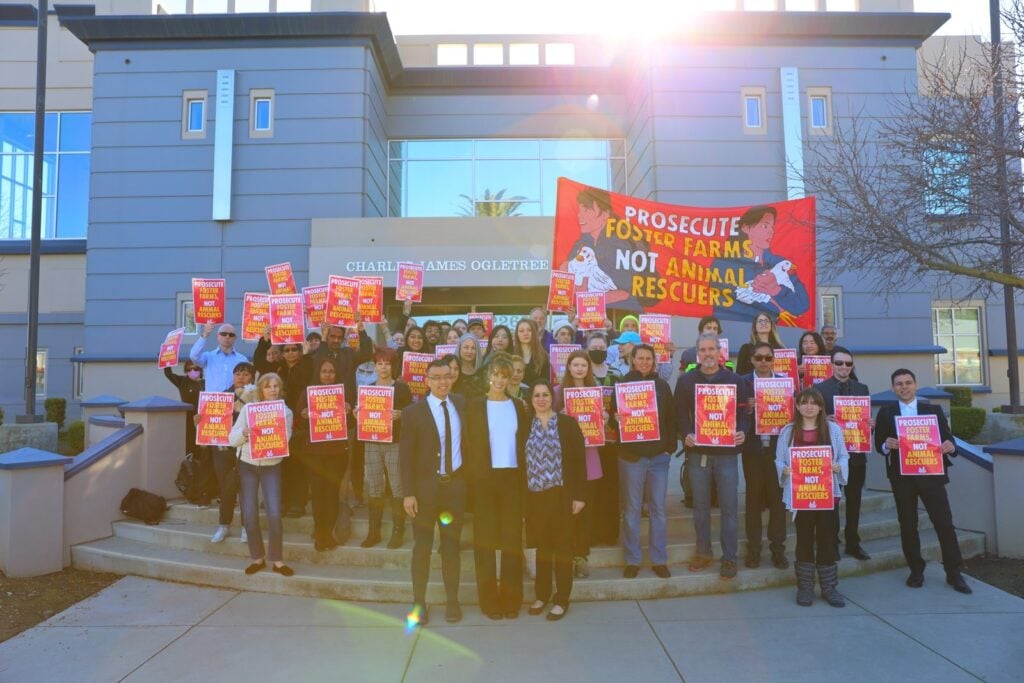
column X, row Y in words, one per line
column 179, row 549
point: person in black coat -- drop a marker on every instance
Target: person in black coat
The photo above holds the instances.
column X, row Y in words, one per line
column 189, row 386
column 930, row 489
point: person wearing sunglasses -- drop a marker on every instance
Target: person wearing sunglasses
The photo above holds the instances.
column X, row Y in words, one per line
column 218, row 364
column 844, row 383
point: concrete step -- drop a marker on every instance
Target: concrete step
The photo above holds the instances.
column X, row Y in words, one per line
column 122, row 555
column 298, row 547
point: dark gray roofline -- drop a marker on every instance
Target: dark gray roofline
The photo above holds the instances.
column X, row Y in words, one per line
column 183, row 31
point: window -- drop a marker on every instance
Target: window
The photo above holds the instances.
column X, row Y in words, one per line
column 488, row 54
column 754, row 116
column 77, row 383
column 245, row 6
column 496, row 177
column 958, row 330
column 523, row 54
column 820, row 110
column 830, row 308
column 843, row 5
column 948, row 176
column 560, row 54
column 41, row 355
column 801, row 5
column 261, row 113
column 185, row 313
column 452, row 54
column 66, row 154
column 193, row 114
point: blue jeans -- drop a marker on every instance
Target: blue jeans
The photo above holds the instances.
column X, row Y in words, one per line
column 650, row 474
column 726, row 473
column 269, row 478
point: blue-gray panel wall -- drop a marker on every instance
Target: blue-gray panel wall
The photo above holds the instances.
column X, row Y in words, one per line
column 640, row 137
column 59, row 340
column 151, row 192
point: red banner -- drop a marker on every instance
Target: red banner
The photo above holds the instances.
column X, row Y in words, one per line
column 559, row 355
column 656, row 330
column 169, row 350
column 486, row 318
column 373, row 416
column 732, row 263
column 723, row 351
column 326, row 405
column 810, row 472
column 371, row 299
column 286, row 326
column 590, row 310
column 410, row 282
column 255, row 315
column 853, row 414
column 268, row 430
column 442, row 350
column 414, row 372
column 920, row 445
column 817, row 369
column 561, row 291
column 773, row 404
column 715, row 415
column 280, row 279
column 314, row 301
column 785, row 364
column 638, row 412
column 586, row 406
column 208, row 300
column 611, row 431
column 215, row 411
column 342, row 301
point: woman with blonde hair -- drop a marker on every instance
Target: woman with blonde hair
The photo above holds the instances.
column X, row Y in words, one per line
column 762, row 331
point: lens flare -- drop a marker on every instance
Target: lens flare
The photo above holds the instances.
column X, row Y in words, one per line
column 445, row 518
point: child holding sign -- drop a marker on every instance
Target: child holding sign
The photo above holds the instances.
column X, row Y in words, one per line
column 815, row 540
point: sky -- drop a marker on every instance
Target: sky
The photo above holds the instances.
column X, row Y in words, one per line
column 417, row 17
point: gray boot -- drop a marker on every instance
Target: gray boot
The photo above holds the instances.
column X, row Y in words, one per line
column 804, row 583
column 828, row 580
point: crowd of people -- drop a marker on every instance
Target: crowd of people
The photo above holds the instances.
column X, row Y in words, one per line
column 492, row 437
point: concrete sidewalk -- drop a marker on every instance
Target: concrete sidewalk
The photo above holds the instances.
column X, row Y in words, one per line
column 145, row 630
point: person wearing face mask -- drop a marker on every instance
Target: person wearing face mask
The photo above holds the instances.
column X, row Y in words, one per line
column 189, row 385
column 605, row 519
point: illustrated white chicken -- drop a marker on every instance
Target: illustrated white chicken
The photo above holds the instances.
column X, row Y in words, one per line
column 780, row 272
column 589, row 276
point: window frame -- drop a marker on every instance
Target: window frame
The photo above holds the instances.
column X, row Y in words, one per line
column 953, row 306
column 43, row 353
column 836, row 293
column 77, row 376
column 937, row 204
column 824, row 94
column 257, row 95
column 183, row 300
column 759, row 93
column 187, row 98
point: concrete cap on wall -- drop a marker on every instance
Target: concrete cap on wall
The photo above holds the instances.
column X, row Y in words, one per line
column 1011, row 447
column 107, row 421
column 28, row 458
column 155, row 404
column 103, row 401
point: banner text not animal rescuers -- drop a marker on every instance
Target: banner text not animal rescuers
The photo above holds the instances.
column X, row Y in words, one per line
column 268, row 433
column 659, row 258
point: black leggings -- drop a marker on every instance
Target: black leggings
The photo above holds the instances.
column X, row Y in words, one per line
column 815, row 537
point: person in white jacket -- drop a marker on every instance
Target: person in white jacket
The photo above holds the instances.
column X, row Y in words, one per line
column 266, row 474
column 815, row 539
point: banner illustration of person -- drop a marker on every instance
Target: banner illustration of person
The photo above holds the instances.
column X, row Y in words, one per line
column 691, row 261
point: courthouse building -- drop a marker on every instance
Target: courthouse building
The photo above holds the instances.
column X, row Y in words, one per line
column 183, row 144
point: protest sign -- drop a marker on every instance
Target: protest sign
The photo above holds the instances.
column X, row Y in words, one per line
column 561, row 291
column 810, row 472
column 410, row 282
column 559, row 356
column 286, row 326
column 920, row 445
column 414, row 372
column 342, row 301
column 169, row 350
column 215, row 412
column 590, row 310
column 656, row 330
column 314, row 301
column 208, row 300
column 280, row 279
column 817, row 369
column 773, row 404
column 255, row 315
column 785, row 364
column 371, row 299
column 637, row 406
column 268, row 430
column 586, row 406
column 715, row 415
column 853, row 415
column 373, row 416
column 327, row 418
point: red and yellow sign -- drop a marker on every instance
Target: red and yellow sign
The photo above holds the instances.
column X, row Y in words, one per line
column 590, row 310
column 286, row 326
column 280, row 279
column 255, row 315
column 374, row 421
column 920, row 445
column 773, row 404
column 656, row 330
column 326, row 405
column 208, row 300
column 169, row 350
column 215, row 411
column 650, row 257
column 371, row 299
column 586, row 406
column 817, row 369
column 715, row 415
column 414, row 372
column 637, row 405
column 342, row 301
column 268, row 430
column 314, row 301
column 562, row 291
column 853, row 415
column 810, row 472
column 410, row 282
column 785, row 364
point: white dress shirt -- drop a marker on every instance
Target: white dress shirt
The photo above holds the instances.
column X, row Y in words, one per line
column 434, row 403
column 906, row 410
column 502, row 424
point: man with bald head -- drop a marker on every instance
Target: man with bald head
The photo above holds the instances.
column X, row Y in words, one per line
column 218, row 364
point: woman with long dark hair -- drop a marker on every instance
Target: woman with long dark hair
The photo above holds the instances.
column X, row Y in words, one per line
column 527, row 345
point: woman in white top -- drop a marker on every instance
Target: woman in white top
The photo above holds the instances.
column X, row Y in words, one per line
column 266, row 474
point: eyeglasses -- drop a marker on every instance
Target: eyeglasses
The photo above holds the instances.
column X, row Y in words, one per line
column 843, row 363
column 227, row 334
column 763, row 321
column 291, row 350
column 439, row 378
column 762, row 357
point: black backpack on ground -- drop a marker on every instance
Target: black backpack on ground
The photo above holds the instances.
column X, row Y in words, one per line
column 148, row 507
column 196, row 479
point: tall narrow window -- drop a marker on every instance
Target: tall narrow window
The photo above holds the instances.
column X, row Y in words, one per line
column 820, row 110
column 755, row 118
column 77, row 383
column 261, row 113
column 41, row 355
column 958, row 330
column 193, row 114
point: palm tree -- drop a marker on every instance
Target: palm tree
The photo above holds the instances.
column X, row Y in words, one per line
column 491, row 205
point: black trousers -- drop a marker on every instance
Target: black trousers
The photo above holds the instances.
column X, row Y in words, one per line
column 325, row 466
column 583, row 523
column 357, row 463
column 932, row 492
column 763, row 491
column 450, row 500
column 603, row 504
column 294, row 479
column 498, row 527
column 815, row 541
column 225, row 462
column 551, row 511
column 853, row 492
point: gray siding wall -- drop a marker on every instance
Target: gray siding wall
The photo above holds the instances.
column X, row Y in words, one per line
column 59, row 334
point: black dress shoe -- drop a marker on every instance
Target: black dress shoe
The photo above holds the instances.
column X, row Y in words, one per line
column 661, row 571
column 453, row 614
column 857, row 552
column 959, row 584
column 255, row 567
column 419, row 615
column 283, row 570
column 916, row 579
column 631, row 571
column 554, row 616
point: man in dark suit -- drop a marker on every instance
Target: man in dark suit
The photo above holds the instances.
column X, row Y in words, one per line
column 931, row 489
column 430, row 454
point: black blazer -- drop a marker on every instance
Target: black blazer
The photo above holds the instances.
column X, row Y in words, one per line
column 476, row 450
column 574, row 464
column 885, row 427
column 419, row 451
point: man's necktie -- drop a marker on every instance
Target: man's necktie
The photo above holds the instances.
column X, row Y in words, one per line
column 447, row 439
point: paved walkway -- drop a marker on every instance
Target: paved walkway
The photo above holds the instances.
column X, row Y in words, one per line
column 145, row 630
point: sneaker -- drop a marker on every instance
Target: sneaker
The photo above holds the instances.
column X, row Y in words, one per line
column 581, row 568
column 220, row 534
column 244, row 538
column 728, row 570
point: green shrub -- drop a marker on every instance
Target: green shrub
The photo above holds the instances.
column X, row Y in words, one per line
column 1, row 416
column 56, row 411
column 963, row 397
column 76, row 436
column 966, row 423
column 997, row 409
